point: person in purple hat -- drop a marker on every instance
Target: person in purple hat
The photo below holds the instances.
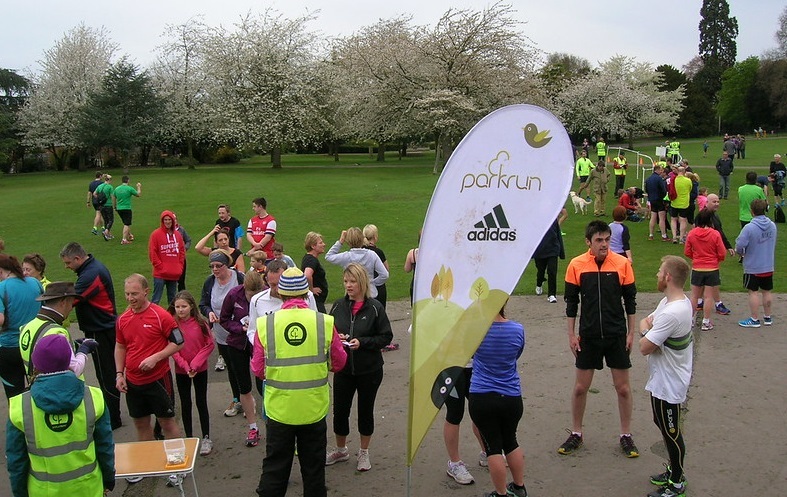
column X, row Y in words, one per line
column 48, row 427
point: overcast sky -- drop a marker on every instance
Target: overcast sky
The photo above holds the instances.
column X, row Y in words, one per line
column 659, row 32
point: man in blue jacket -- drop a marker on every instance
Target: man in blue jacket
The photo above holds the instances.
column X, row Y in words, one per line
column 757, row 244
column 656, row 189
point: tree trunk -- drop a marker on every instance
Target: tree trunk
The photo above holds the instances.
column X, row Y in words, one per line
column 60, row 160
column 336, row 151
column 82, row 162
column 371, row 151
column 403, row 150
column 144, row 155
column 436, row 168
column 381, row 152
column 631, row 140
column 276, row 157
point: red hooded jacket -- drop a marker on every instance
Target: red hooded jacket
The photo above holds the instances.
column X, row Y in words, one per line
column 705, row 248
column 166, row 251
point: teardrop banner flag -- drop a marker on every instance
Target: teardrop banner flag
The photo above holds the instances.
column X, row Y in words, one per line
column 503, row 186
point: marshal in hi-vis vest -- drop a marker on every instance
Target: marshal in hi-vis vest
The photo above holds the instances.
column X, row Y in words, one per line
column 60, row 446
column 297, row 344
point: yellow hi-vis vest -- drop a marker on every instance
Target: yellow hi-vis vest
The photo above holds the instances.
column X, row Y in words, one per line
column 31, row 333
column 60, row 446
column 620, row 162
column 601, row 149
column 297, row 344
column 674, row 148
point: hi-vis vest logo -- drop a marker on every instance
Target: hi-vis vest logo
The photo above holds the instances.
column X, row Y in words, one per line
column 59, row 422
column 493, row 228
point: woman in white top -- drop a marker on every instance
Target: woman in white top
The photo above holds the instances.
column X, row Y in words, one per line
column 365, row 257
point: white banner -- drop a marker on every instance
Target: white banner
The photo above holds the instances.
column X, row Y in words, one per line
column 503, row 186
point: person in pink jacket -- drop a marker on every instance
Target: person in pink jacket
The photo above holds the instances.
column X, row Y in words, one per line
column 191, row 364
column 706, row 250
column 167, row 253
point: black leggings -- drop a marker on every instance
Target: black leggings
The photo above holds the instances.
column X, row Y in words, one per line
column 239, row 359
column 344, row 388
column 108, row 214
column 667, row 418
column 547, row 265
column 224, row 352
column 12, row 371
column 200, row 382
column 497, row 417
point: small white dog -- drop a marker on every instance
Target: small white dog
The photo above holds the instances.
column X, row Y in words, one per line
column 580, row 204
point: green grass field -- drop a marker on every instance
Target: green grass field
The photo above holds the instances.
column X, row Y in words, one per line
column 42, row 212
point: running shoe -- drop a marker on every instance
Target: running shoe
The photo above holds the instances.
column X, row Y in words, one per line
column 390, row 347
column 337, row 455
column 670, row 490
column 662, row 479
column 233, row 410
column 700, row 304
column 94, row 231
column 482, row 460
column 539, row 290
column 130, row 238
column 749, row 323
column 767, row 320
column 707, row 326
column 721, row 309
column 458, row 471
column 627, row 444
column 206, row 447
column 572, row 443
column 134, row 479
column 650, row 238
column 512, row 491
column 253, row 438
column 552, row 299
column 175, row 480
column 364, row 464
column 125, row 242
column 220, row 364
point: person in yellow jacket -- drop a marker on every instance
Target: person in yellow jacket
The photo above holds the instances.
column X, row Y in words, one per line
column 58, row 435
column 582, row 170
column 57, row 302
column 601, row 149
column 301, row 346
column 674, row 150
column 620, row 167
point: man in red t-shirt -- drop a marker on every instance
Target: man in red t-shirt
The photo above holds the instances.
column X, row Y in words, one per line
column 146, row 336
column 261, row 230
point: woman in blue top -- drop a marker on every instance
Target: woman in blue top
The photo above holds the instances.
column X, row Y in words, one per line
column 495, row 403
column 18, row 306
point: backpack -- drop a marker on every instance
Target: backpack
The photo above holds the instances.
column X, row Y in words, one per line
column 778, row 216
column 671, row 191
column 101, row 199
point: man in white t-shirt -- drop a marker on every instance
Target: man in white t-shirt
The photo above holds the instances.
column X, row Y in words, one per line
column 667, row 342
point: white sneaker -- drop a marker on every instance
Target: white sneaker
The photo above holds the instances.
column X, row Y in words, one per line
column 458, row 471
column 482, row 460
column 134, row 479
column 206, row 447
column 337, row 455
column 552, row 299
column 220, row 365
column 233, row 410
column 539, row 290
column 363, row 460
column 175, row 480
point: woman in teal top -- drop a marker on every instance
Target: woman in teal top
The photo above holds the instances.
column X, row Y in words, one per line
column 18, row 306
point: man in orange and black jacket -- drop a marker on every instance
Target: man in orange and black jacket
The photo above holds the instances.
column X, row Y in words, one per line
column 603, row 282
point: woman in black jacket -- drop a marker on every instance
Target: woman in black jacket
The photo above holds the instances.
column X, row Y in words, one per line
column 364, row 329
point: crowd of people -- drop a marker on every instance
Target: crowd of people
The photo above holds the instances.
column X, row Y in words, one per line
column 276, row 333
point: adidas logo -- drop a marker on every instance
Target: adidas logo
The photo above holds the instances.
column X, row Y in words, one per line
column 493, row 228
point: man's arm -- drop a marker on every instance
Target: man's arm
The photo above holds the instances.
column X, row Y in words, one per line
column 120, row 367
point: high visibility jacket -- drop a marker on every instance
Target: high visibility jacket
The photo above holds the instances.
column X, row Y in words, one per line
column 583, row 166
column 601, row 149
column 60, row 447
column 34, row 331
column 674, row 148
column 296, row 344
column 620, row 166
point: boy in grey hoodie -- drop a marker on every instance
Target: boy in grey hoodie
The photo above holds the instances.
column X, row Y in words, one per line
column 757, row 244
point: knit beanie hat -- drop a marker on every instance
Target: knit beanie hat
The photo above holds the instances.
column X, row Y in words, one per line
column 293, row 283
column 52, row 354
